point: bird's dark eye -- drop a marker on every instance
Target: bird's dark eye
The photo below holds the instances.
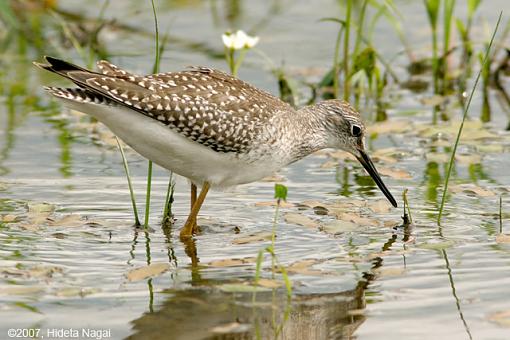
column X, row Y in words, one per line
column 355, row 130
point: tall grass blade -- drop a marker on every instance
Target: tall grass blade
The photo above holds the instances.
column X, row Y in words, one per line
column 346, row 49
column 449, row 5
column 155, row 69
column 452, row 158
column 148, row 195
column 500, row 214
column 130, row 185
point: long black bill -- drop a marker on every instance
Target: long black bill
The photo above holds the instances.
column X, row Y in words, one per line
column 370, row 167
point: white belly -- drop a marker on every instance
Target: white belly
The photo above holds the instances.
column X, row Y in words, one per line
column 169, row 149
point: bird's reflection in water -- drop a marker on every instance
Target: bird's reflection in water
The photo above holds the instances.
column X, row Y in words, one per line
column 206, row 312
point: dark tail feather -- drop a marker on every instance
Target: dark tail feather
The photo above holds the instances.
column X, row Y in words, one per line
column 61, row 67
column 75, row 73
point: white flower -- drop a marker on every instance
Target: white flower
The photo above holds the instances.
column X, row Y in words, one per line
column 239, row 40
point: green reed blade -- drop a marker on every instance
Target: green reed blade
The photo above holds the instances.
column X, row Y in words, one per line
column 452, row 158
column 130, row 185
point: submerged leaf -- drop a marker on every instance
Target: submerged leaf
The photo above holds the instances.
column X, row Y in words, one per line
column 502, row 318
column 229, row 328
column 257, row 237
column 340, row 226
column 394, row 173
column 231, row 262
column 39, row 208
column 503, row 238
column 380, row 206
column 283, row 204
column 437, row 245
column 356, row 218
column 241, row 288
column 390, row 127
column 141, row 273
column 296, row 218
column 472, row 189
column 469, row 159
column 268, row 283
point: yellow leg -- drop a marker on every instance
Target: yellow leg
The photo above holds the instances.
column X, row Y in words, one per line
column 187, row 230
column 193, row 200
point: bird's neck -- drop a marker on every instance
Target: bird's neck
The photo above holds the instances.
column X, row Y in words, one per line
column 309, row 134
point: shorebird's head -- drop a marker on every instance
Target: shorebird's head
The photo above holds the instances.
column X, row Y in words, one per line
column 346, row 131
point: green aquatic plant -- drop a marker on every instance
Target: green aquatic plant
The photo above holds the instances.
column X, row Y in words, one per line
column 452, row 157
column 345, row 62
column 155, row 69
column 432, row 7
column 500, row 214
column 130, row 185
column 407, row 208
column 280, row 194
column 448, row 7
column 467, row 45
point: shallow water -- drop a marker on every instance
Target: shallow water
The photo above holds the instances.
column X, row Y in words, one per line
column 374, row 281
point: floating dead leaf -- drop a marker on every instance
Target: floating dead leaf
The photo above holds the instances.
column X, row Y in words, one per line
column 268, row 283
column 394, row 173
column 436, row 245
column 339, row 226
column 241, row 288
column 503, row 238
column 72, row 220
column 329, row 165
column 478, row 135
column 340, row 155
column 357, row 219
column 390, row 126
column 8, row 218
column 440, row 143
column 471, row 189
column 38, row 208
column 283, row 204
column 391, row 224
column 21, row 290
column 38, row 272
column 502, row 318
column 380, row 206
column 320, row 210
column 274, row 178
column 304, row 267
column 233, row 327
column 299, row 219
column 76, row 291
column 346, row 204
column 257, row 237
column 356, row 312
column 312, row 204
column 384, row 272
column 384, row 159
column 231, row 262
column 437, row 157
column 469, row 159
column 490, row 148
column 142, row 273
column 434, row 100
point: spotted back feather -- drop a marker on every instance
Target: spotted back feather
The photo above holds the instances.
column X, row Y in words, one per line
column 205, row 105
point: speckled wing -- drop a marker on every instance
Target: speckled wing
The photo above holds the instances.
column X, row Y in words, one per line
column 205, row 105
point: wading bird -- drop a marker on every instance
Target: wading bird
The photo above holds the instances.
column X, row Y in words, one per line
column 208, row 126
